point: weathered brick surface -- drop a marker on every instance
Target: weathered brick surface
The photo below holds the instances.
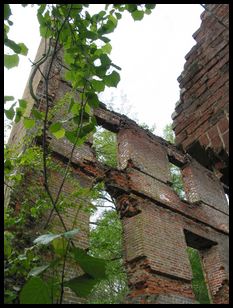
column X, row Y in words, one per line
column 202, row 185
column 146, row 154
column 202, row 114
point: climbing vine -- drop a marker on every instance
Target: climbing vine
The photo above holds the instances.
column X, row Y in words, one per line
column 82, row 39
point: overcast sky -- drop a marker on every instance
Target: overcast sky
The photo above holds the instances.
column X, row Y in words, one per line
column 150, row 52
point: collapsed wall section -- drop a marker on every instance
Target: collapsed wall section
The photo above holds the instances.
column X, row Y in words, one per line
column 201, row 117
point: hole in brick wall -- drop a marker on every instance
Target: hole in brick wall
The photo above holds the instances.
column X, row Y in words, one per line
column 105, row 146
column 106, row 242
column 177, row 181
column 196, row 244
column 199, row 285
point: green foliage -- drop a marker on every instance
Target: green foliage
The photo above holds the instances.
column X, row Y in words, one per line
column 168, row 133
column 106, row 242
column 35, row 291
column 198, row 280
column 82, row 285
column 105, row 145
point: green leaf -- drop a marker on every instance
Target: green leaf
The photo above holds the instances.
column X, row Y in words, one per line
column 91, row 35
column 8, row 98
column 82, row 286
column 94, row 267
column 7, row 11
column 35, row 291
column 55, row 127
column 9, row 113
column 18, row 115
column 118, row 15
column 150, row 6
column 37, row 114
column 60, row 133
column 11, row 44
column 11, row 61
column 105, row 39
column 59, row 245
column 132, row 7
column 112, row 80
column 148, row 12
column 75, row 108
column 46, row 238
column 28, row 123
column 23, row 49
column 105, row 61
column 107, row 48
column 98, row 85
column 92, row 99
column 113, row 20
column 71, row 233
column 137, row 15
column 23, row 103
column 37, row 270
column 71, row 136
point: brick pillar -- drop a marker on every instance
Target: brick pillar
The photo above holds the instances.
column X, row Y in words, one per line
column 155, row 255
column 216, row 267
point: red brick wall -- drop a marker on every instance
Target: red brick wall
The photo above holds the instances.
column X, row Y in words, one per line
column 202, row 114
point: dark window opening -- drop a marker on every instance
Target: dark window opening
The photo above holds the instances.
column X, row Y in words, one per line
column 105, row 146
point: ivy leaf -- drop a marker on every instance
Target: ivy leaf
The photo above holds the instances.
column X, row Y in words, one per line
column 81, row 286
column 9, row 113
column 23, row 49
column 11, row 61
column 112, row 80
column 35, row 291
column 98, row 85
column 94, row 267
column 37, row 270
column 137, row 15
column 28, row 123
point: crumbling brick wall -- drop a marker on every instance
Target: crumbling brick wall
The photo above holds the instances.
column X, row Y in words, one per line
column 201, row 117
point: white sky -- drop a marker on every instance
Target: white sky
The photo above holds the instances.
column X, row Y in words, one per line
column 150, row 52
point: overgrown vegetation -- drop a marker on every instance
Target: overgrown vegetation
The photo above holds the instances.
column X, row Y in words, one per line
column 88, row 68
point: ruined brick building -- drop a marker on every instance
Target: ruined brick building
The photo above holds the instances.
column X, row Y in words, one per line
column 158, row 226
